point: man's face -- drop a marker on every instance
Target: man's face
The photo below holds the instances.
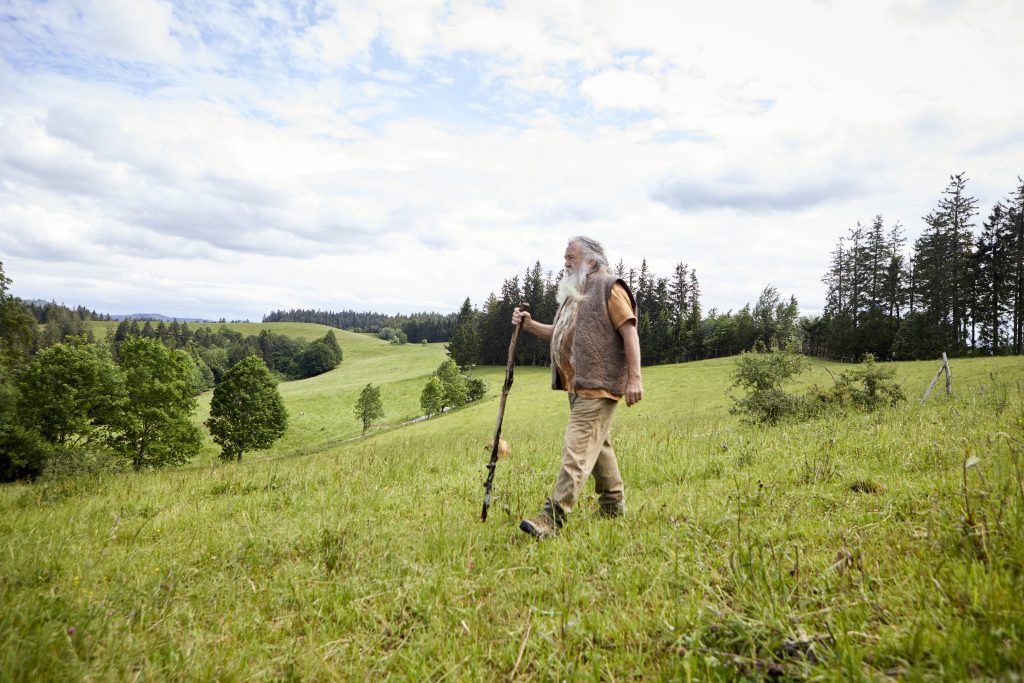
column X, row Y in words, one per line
column 573, row 257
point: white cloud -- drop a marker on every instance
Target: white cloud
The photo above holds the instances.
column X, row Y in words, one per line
column 619, row 89
column 405, row 156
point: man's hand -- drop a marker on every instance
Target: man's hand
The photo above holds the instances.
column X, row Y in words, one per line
column 634, row 391
column 523, row 317
column 631, row 344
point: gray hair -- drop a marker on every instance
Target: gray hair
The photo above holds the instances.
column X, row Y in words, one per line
column 592, row 251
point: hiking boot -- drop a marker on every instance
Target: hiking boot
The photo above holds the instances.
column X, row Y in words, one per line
column 611, row 510
column 540, row 526
column 546, row 523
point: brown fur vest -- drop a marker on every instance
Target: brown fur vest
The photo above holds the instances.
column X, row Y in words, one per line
column 599, row 356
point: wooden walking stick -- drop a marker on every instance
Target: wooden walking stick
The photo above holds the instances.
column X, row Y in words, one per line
column 501, row 413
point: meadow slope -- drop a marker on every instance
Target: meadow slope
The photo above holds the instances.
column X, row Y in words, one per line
column 320, row 409
column 851, row 546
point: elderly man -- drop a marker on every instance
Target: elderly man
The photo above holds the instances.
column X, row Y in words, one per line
column 595, row 357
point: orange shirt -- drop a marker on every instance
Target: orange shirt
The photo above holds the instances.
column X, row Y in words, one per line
column 620, row 311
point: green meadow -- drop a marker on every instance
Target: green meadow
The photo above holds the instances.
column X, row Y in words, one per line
column 320, row 409
column 852, row 546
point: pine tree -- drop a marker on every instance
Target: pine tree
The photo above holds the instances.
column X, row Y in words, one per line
column 993, row 278
column 680, row 293
column 893, row 286
column 959, row 210
column 694, row 300
column 464, row 348
column 942, row 261
column 1015, row 221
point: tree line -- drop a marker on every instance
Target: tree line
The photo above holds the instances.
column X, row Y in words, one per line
column 417, row 327
column 215, row 351
column 671, row 325
column 959, row 290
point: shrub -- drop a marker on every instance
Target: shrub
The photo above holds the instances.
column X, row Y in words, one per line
column 23, row 453
column 476, row 389
column 393, row 335
column 762, row 376
column 867, row 387
column 452, row 383
column 432, row 397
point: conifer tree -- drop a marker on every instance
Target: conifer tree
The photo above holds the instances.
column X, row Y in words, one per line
column 1015, row 237
column 464, row 348
column 680, row 293
column 993, row 271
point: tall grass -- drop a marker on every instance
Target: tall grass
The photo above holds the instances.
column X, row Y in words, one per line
column 852, row 546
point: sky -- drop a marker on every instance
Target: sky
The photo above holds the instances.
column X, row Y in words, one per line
column 221, row 159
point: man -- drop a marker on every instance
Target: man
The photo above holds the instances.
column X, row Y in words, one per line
column 595, row 357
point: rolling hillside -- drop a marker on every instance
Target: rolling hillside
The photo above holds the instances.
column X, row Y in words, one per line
column 851, row 546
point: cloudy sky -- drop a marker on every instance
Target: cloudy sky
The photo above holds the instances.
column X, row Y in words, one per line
column 195, row 159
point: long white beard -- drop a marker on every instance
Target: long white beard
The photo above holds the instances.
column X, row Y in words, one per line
column 571, row 286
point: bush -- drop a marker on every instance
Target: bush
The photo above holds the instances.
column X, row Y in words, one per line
column 393, row 335
column 67, row 464
column 432, row 397
column 476, row 389
column 762, row 376
column 317, row 359
column 23, row 453
column 866, row 387
column 452, row 383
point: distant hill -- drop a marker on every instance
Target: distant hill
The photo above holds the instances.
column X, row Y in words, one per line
column 42, row 303
column 157, row 317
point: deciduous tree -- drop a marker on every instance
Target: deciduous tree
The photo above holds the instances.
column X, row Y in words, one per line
column 246, row 412
column 369, row 407
column 154, row 427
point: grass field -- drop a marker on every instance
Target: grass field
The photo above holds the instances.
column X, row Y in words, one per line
column 852, row 546
column 320, row 408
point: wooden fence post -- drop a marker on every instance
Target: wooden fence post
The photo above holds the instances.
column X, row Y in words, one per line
column 949, row 379
column 949, row 374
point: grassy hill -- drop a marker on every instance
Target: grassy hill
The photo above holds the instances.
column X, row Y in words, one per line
column 851, row 546
column 320, row 409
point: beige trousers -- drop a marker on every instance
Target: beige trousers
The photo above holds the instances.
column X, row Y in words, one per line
column 588, row 450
